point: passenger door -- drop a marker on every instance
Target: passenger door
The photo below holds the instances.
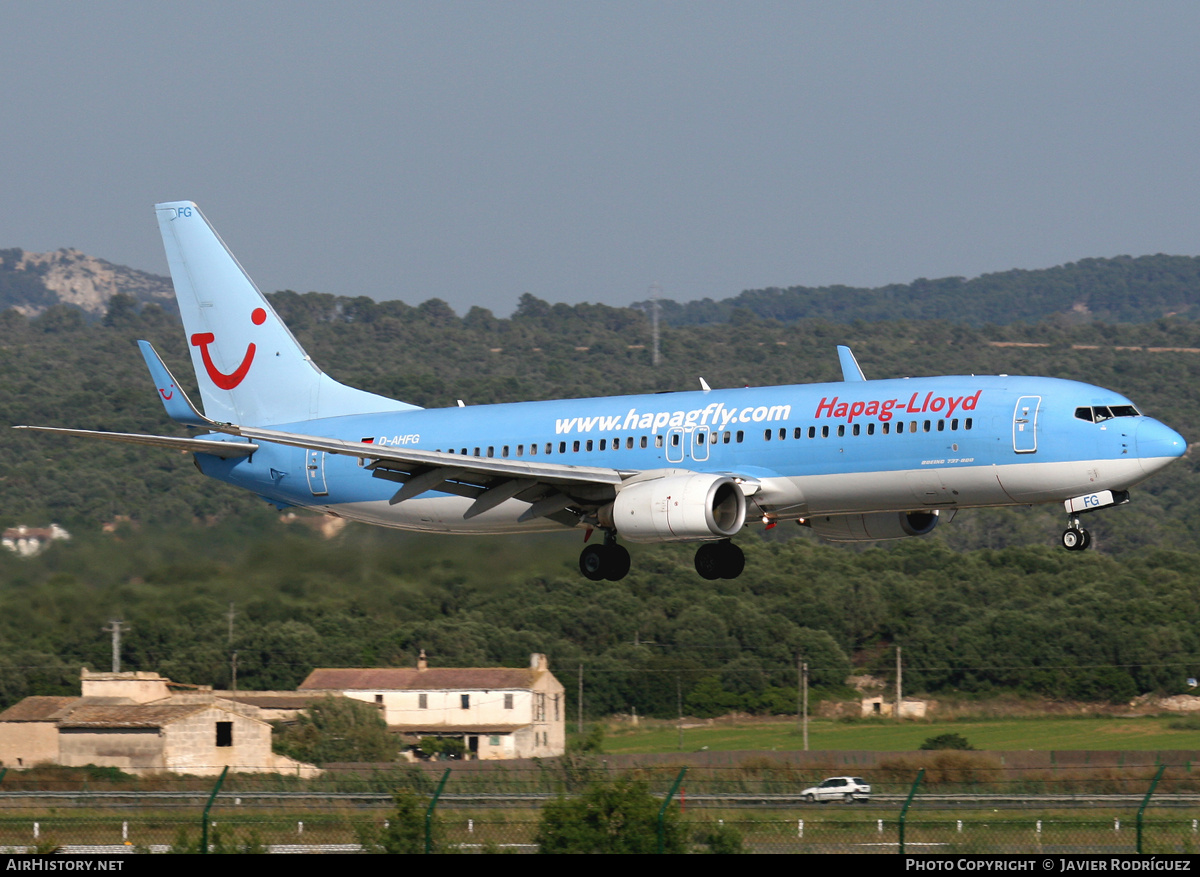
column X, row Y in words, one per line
column 1025, row 416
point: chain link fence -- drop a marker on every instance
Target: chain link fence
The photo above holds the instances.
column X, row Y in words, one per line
column 758, row 808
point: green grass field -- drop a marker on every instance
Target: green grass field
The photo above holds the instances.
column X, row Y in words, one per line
column 1137, row 733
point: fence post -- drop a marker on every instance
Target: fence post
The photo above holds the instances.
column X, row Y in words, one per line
column 907, row 802
column 429, row 812
column 662, row 811
column 207, row 807
column 1145, row 801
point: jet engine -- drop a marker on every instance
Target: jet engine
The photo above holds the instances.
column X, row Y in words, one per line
column 677, row 508
column 873, row 527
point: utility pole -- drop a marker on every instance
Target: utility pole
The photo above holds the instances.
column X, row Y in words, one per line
column 679, row 698
column 115, row 629
column 233, row 654
column 804, row 701
column 655, row 292
column 899, row 676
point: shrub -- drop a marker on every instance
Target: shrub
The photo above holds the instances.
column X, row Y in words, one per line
column 947, row 741
column 617, row 817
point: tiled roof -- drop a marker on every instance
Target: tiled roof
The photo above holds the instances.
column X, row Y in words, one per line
column 297, row 701
column 128, row 715
column 411, row 679
column 38, row 709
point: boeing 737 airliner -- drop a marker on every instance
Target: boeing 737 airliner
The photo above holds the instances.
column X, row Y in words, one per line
column 856, row 461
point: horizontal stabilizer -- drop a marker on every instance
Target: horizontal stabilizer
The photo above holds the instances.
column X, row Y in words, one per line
column 175, row 400
column 213, row 447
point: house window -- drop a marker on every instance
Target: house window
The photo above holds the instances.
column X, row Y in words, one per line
column 379, row 701
column 423, row 701
column 508, row 701
column 494, row 740
column 224, row 734
column 466, row 701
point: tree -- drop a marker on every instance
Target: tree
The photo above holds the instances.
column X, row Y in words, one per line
column 616, row 817
column 337, row 729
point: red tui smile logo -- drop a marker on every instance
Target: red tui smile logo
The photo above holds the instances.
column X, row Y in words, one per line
column 218, row 377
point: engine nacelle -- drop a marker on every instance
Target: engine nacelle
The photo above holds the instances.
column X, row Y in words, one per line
column 678, row 508
column 873, row 527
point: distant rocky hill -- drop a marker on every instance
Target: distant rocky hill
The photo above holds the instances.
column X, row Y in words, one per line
column 32, row 282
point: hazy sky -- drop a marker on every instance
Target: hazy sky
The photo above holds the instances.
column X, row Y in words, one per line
column 581, row 151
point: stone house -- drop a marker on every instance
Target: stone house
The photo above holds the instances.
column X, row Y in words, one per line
column 498, row 712
column 134, row 722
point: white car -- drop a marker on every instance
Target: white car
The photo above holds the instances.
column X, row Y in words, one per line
column 848, row 789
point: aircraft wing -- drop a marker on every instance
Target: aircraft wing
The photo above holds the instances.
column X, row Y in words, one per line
column 550, row 488
column 192, row 445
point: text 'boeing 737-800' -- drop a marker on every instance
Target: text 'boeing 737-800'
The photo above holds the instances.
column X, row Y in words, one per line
column 856, row 461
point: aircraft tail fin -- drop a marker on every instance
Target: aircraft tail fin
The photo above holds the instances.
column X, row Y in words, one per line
column 249, row 366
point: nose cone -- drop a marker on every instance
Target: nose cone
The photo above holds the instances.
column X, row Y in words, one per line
column 1157, row 445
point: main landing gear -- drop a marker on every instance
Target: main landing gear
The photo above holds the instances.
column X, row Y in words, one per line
column 608, row 561
column 720, row 560
column 714, row 560
column 1075, row 538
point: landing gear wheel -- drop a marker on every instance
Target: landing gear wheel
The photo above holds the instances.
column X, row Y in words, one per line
column 733, row 561
column 1076, row 539
column 618, row 563
column 592, row 562
column 708, row 561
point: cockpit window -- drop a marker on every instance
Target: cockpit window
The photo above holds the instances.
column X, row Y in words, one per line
column 1100, row 413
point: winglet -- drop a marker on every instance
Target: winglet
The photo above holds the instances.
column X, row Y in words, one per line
column 179, row 406
column 850, row 369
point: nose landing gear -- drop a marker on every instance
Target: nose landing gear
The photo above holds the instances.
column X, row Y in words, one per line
column 1075, row 538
